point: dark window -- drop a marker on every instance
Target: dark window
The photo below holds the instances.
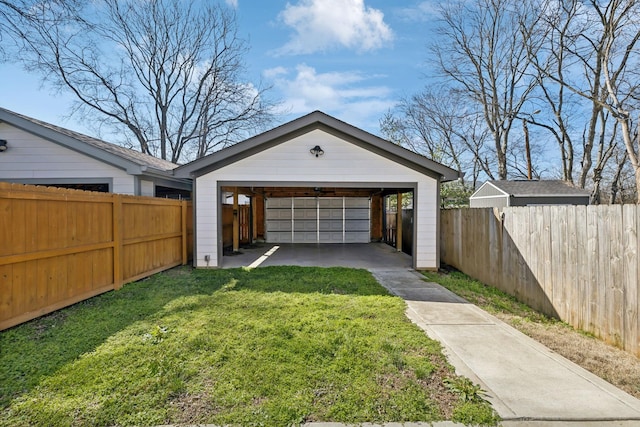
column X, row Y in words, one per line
column 101, row 188
column 172, row 193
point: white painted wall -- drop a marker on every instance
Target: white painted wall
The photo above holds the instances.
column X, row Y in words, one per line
column 31, row 157
column 147, row 188
column 341, row 162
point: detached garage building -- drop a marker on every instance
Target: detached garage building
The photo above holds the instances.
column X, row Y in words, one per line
column 315, row 179
column 500, row 194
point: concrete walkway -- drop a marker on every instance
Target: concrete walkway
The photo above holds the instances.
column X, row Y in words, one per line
column 527, row 384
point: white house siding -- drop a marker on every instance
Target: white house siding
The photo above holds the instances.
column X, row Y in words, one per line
column 342, row 162
column 30, row 157
column 147, row 188
column 206, row 220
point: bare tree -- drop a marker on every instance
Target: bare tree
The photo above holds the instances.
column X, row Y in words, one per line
column 14, row 14
column 604, row 44
column 484, row 49
column 433, row 124
column 168, row 72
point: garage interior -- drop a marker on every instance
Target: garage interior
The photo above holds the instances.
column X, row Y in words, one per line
column 315, row 215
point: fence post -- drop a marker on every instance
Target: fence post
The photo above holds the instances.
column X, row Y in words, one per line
column 183, row 205
column 117, row 241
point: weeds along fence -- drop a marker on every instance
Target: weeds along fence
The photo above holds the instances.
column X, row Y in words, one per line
column 59, row 246
column 576, row 263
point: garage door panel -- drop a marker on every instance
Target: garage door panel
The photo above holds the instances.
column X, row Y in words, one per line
column 356, row 225
column 324, row 203
column 356, row 214
column 330, row 237
column 274, row 225
column 305, row 237
column 356, row 237
column 356, row 202
column 331, row 225
column 323, row 220
column 278, row 214
column 304, row 214
column 310, row 203
column 279, row 202
column 305, row 225
column 330, row 214
column 280, row 237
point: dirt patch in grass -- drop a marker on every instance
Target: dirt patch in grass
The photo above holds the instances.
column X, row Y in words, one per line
column 612, row 364
column 447, row 401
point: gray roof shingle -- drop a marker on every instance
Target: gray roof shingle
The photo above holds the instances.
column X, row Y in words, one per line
column 539, row 188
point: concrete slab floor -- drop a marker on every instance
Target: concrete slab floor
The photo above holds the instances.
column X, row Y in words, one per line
column 354, row 255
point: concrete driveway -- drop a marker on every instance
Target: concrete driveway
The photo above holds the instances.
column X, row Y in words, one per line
column 355, row 255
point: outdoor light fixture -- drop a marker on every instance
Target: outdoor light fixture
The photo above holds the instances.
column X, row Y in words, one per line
column 316, row 151
column 3, row 145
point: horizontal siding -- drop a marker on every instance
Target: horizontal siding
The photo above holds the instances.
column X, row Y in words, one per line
column 426, row 226
column 30, row 157
column 147, row 188
column 206, row 221
column 341, row 162
column 489, row 190
column 489, row 202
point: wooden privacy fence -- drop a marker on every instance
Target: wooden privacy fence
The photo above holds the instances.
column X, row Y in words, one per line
column 60, row 246
column 244, row 219
column 391, row 228
column 577, row 263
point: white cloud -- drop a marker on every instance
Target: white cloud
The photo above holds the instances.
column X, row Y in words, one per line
column 273, row 73
column 345, row 95
column 232, row 3
column 323, row 24
column 424, row 11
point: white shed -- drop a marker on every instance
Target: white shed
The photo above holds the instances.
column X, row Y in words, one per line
column 315, row 178
column 39, row 153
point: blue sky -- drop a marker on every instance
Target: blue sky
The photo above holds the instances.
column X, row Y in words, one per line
column 353, row 59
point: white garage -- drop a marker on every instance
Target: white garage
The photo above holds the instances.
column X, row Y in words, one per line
column 316, row 180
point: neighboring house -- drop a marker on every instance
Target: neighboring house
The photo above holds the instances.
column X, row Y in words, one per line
column 41, row 153
column 501, row 194
column 315, row 179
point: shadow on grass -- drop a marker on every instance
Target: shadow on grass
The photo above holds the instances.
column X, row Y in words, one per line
column 37, row 349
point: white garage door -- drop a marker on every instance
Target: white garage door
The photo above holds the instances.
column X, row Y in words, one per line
column 317, row 220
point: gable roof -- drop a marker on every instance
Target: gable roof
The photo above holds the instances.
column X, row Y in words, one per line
column 543, row 188
column 308, row 123
column 134, row 162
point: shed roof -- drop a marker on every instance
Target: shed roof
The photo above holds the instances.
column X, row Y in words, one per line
column 308, row 123
column 134, row 162
column 531, row 188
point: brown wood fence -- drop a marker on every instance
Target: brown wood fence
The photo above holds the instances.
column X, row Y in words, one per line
column 577, row 263
column 391, row 229
column 244, row 219
column 60, row 246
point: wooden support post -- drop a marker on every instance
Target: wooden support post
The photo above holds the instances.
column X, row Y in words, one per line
column 117, row 241
column 236, row 221
column 399, row 224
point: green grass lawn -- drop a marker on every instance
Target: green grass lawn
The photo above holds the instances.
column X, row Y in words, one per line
column 273, row 346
